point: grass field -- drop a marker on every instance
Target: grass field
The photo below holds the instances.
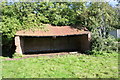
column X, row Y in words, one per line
column 67, row 66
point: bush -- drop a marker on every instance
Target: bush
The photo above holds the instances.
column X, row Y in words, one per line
column 118, row 39
column 102, row 44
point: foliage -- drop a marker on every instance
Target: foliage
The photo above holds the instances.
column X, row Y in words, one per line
column 101, row 19
column 118, row 17
column 17, row 55
column 17, row 16
column 27, row 15
column 69, row 66
column 100, row 43
column 32, row 15
column 118, row 39
column 101, row 14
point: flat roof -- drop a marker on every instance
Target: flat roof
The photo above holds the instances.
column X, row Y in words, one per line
column 52, row 31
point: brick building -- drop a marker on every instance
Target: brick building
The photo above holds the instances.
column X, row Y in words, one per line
column 56, row 38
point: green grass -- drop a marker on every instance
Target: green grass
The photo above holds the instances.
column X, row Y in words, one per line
column 0, row 68
column 67, row 66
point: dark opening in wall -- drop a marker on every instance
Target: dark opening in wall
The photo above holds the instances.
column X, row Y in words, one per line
column 51, row 44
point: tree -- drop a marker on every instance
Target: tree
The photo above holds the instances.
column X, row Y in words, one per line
column 32, row 15
column 102, row 18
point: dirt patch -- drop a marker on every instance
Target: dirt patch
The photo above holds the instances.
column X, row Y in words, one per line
column 37, row 55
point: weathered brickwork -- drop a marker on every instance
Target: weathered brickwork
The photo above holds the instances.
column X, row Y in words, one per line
column 18, row 43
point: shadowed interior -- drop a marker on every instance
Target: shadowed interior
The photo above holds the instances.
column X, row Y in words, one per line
column 54, row 44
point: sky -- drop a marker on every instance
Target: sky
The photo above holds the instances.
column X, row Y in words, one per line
column 111, row 2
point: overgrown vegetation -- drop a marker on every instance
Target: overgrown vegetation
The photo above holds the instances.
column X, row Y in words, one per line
column 98, row 17
column 101, row 43
column 31, row 15
column 118, row 39
column 67, row 66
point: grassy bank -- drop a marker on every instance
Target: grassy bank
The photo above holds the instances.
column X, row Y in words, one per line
column 67, row 66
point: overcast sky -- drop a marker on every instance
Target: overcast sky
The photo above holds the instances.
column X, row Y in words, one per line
column 111, row 2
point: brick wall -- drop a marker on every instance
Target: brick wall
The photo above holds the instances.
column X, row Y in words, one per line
column 19, row 44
